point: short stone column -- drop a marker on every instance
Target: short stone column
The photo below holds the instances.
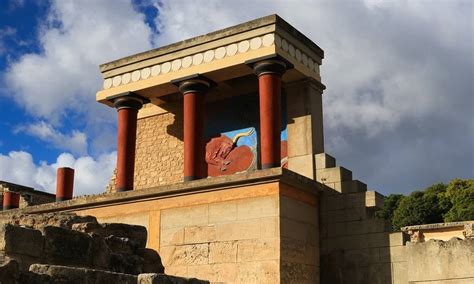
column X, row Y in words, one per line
column 127, row 105
column 64, row 183
column 11, row 200
column 269, row 74
column 194, row 90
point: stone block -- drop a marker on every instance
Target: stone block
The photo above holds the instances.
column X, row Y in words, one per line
column 299, row 252
column 351, row 186
column 324, row 161
column 195, row 254
column 252, row 208
column 67, row 247
column 337, row 229
column 223, row 252
column 184, row 216
column 332, row 216
column 248, row 229
column 377, row 239
column 298, row 211
column 67, row 274
column 373, row 200
column 199, row 234
column 302, row 165
column 399, row 273
column 222, row 212
column 398, row 238
column 172, row 236
column 9, row 270
column 259, row 272
column 151, row 261
column 215, row 273
column 332, row 202
column 380, row 273
column 158, row 278
column 298, row 273
column 136, row 234
column 177, row 270
column 354, row 200
column 21, row 240
column 262, row 249
column 356, row 214
column 333, row 175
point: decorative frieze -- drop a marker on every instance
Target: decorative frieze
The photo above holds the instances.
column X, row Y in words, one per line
column 211, row 55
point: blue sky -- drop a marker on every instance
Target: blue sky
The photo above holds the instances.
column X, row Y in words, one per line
column 398, row 107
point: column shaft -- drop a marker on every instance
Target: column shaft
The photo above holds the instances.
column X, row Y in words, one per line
column 11, row 200
column 269, row 74
column 126, row 141
column 64, row 184
column 194, row 148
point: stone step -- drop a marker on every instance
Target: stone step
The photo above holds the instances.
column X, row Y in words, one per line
column 333, row 175
column 324, row 161
column 373, row 200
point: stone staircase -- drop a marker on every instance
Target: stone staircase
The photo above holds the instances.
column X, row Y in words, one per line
column 356, row 246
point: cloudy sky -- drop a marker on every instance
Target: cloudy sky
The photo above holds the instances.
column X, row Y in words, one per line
column 399, row 74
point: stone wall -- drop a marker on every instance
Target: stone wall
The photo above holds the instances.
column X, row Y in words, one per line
column 441, row 261
column 28, row 196
column 159, row 151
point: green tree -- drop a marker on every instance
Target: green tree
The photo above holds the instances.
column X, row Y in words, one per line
column 390, row 204
column 461, row 195
column 422, row 207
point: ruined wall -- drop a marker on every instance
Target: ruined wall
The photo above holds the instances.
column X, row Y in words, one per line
column 441, row 261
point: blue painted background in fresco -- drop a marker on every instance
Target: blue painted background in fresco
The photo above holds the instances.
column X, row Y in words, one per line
column 240, row 114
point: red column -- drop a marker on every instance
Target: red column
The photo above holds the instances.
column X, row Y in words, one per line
column 127, row 106
column 269, row 74
column 194, row 148
column 11, row 200
column 64, row 184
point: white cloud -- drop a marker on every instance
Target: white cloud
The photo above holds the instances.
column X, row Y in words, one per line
column 91, row 175
column 76, row 141
column 62, row 80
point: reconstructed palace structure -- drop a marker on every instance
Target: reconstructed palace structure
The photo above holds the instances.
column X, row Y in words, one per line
column 220, row 156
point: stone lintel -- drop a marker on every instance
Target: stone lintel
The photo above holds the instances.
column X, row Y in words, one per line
column 220, row 56
column 192, row 187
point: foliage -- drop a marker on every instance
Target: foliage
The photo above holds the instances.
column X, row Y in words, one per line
column 435, row 204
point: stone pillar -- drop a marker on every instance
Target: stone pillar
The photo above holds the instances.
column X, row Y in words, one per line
column 269, row 74
column 64, row 184
column 194, row 90
column 11, row 200
column 127, row 106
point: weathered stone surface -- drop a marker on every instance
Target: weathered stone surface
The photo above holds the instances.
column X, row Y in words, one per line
column 153, row 278
column 136, row 235
column 21, row 240
column 152, row 261
column 39, row 221
column 63, row 246
column 72, row 275
column 185, row 255
column 9, row 270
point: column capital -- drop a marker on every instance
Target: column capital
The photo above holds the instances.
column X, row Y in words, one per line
column 270, row 66
column 128, row 100
column 193, row 84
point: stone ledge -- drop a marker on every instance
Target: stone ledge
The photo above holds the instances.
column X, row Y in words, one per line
column 436, row 226
column 185, row 188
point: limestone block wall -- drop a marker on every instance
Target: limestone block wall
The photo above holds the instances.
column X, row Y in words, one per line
column 234, row 241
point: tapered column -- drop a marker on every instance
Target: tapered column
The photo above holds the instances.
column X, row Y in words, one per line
column 127, row 106
column 11, row 200
column 269, row 74
column 64, row 184
column 194, row 91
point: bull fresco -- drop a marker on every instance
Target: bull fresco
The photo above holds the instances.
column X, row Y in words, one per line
column 232, row 129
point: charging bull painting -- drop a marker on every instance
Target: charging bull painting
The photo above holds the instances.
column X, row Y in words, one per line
column 232, row 143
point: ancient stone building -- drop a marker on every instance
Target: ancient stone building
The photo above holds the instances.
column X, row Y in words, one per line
column 221, row 157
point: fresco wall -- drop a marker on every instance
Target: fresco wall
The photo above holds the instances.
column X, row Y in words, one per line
column 232, row 135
